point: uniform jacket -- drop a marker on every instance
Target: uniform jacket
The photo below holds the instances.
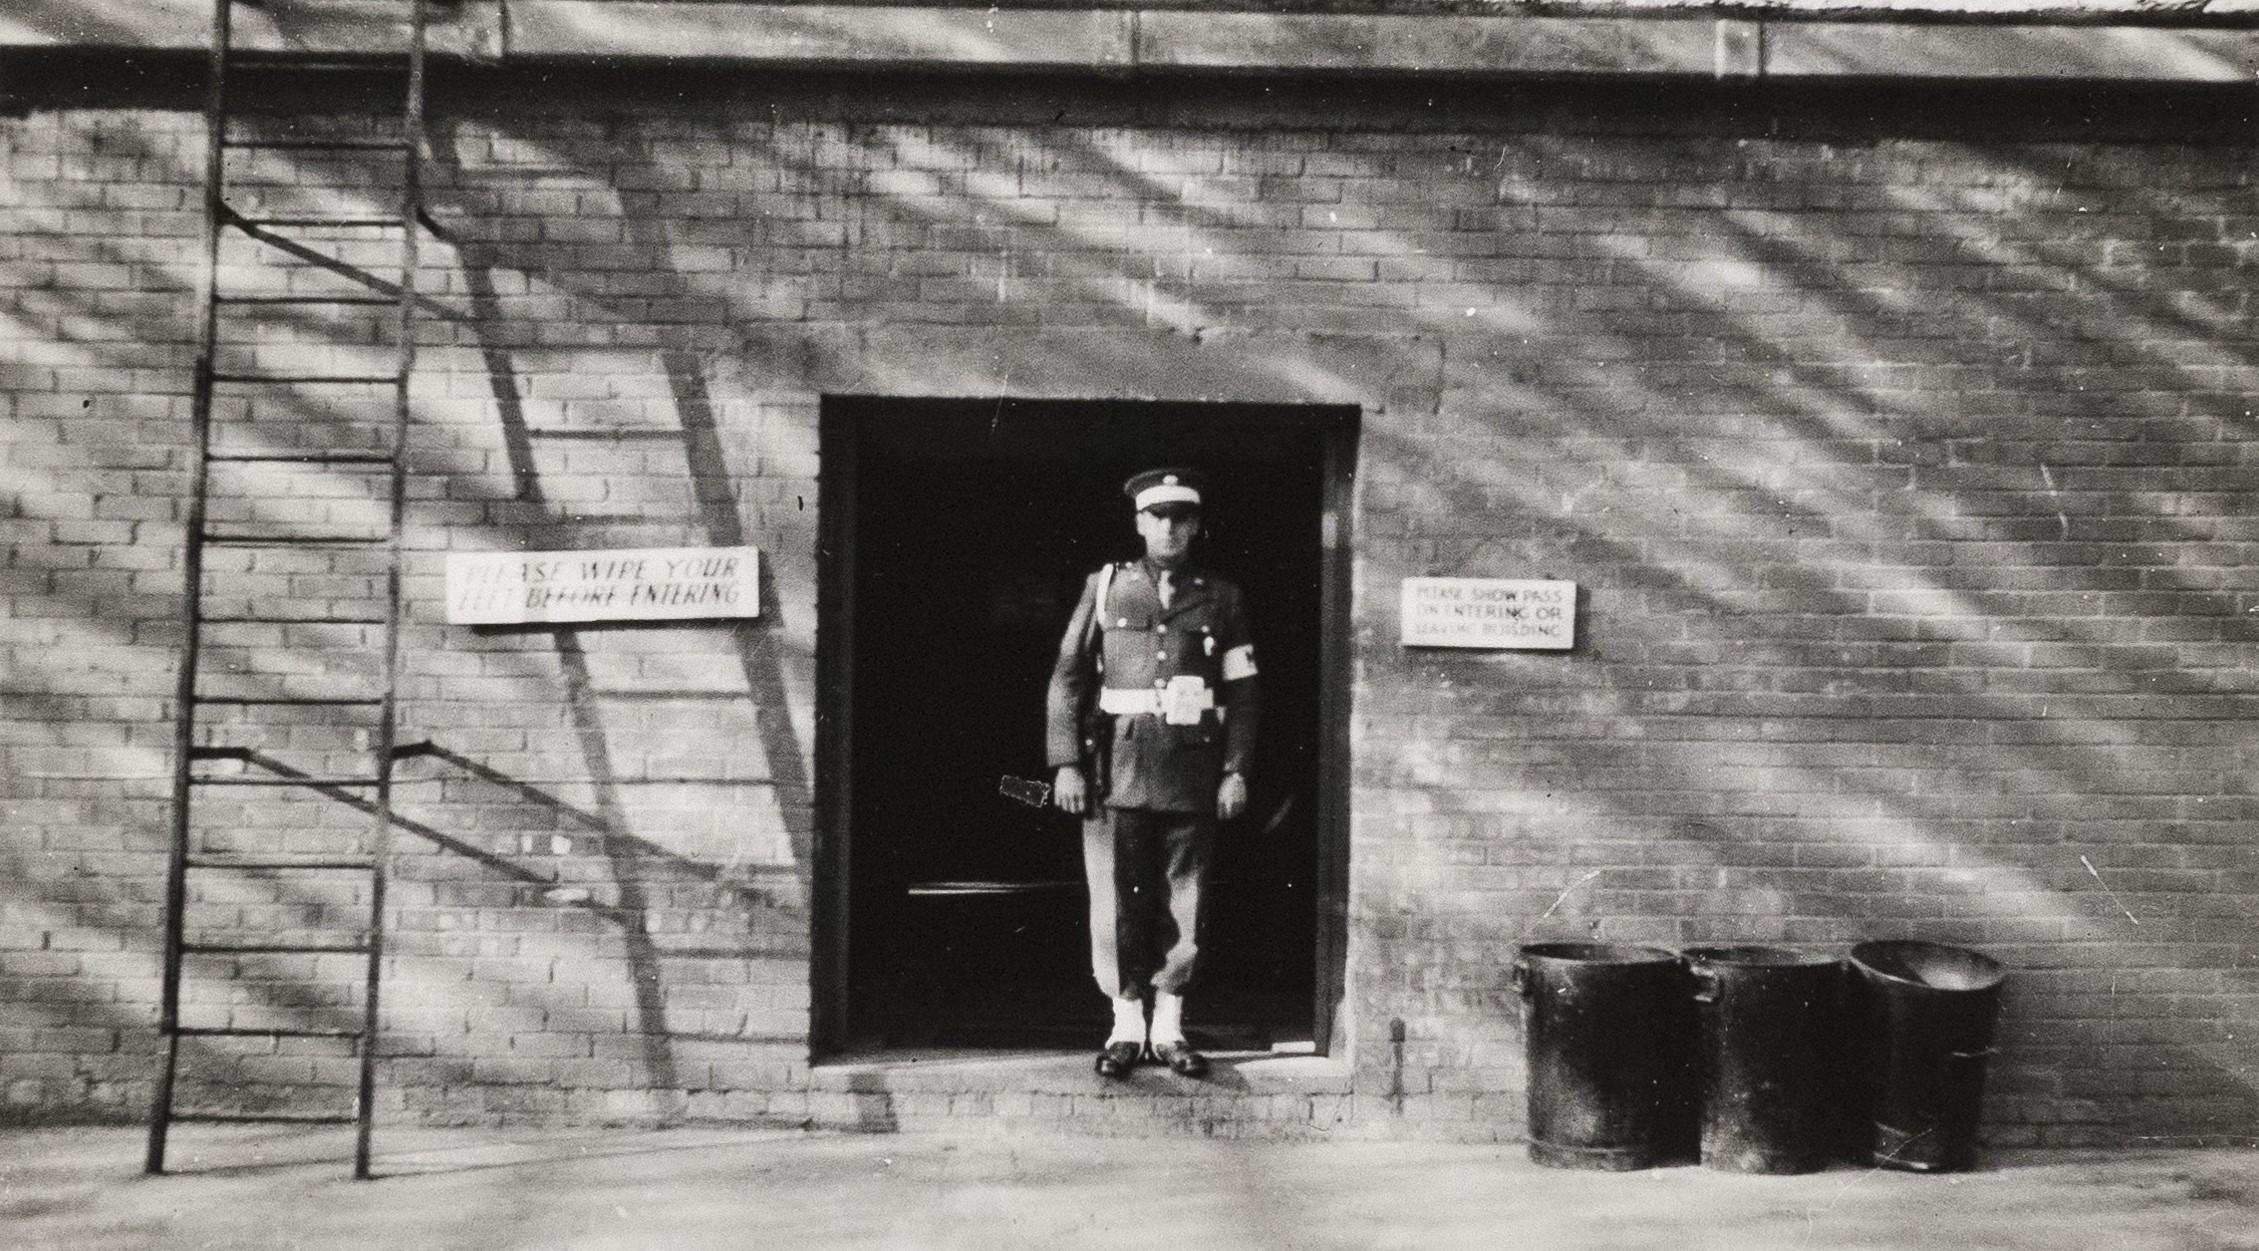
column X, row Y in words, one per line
column 1199, row 647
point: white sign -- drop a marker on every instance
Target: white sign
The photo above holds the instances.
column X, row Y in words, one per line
column 628, row 584
column 1490, row 612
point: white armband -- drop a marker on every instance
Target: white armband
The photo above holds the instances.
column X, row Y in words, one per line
column 1239, row 662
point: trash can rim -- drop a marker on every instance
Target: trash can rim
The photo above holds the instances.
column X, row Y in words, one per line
column 1600, row 953
column 1975, row 970
column 1757, row 956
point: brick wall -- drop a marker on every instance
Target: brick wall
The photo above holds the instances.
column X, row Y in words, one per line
column 1898, row 444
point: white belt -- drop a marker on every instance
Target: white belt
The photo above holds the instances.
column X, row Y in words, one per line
column 1120, row 703
column 1117, row 702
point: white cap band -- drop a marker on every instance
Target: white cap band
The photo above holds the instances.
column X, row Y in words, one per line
column 1166, row 493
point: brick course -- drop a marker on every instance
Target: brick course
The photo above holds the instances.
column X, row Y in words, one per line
column 1902, row 457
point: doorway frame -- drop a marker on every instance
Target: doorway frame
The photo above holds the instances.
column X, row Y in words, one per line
column 831, row 889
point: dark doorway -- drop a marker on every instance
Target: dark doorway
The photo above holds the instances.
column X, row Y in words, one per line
column 957, row 537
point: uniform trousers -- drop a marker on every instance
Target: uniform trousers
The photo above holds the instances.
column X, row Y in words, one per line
column 1146, row 871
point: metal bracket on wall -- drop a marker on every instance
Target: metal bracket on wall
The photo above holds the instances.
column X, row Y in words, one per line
column 1740, row 49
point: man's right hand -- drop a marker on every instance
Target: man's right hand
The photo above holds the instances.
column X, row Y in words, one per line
column 1070, row 791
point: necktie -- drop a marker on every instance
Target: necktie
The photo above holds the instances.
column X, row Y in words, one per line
column 1165, row 589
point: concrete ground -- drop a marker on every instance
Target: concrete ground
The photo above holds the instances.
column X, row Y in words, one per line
column 493, row 1190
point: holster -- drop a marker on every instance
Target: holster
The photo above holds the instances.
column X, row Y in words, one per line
column 1094, row 726
column 1097, row 733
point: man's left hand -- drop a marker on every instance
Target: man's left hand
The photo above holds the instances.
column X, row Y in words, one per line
column 1231, row 797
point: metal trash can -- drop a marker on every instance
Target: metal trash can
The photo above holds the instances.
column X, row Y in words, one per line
column 1925, row 1015
column 1609, row 1034
column 1769, row 1077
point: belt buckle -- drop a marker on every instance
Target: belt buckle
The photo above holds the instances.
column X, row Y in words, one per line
column 1185, row 698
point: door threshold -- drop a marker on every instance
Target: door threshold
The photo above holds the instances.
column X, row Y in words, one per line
column 996, row 1069
column 884, row 1055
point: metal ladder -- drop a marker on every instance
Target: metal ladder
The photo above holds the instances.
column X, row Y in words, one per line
column 286, row 707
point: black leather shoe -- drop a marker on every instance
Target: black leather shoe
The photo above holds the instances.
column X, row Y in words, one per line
column 1118, row 1059
column 1181, row 1059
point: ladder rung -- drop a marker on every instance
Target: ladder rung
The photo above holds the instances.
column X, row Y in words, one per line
column 267, row 1118
column 333, row 620
column 368, row 380
column 221, row 860
column 243, row 780
column 292, row 540
column 254, row 60
column 318, row 145
column 301, row 458
column 360, row 300
column 269, row 223
column 272, row 949
column 294, row 57
column 238, row 1031
column 285, row 701
column 602, row 434
column 379, row 66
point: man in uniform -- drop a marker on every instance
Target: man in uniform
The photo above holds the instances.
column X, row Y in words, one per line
column 1151, row 728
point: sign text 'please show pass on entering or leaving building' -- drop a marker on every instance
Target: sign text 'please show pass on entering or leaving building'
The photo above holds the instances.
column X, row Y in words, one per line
column 1497, row 613
column 628, row 584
